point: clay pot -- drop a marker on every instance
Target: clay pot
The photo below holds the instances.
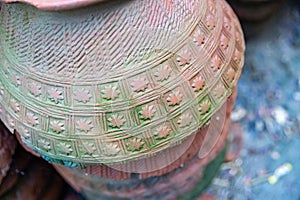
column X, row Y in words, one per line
column 120, row 87
column 130, row 89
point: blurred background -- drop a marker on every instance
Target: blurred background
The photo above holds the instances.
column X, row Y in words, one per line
column 267, row 111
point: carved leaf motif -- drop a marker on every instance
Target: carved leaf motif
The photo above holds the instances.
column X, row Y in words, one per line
column 10, row 121
column 84, row 125
column 175, row 98
column 111, row 92
column 111, row 149
column 184, row 58
column 199, row 38
column 57, row 126
column 32, row 119
column 163, row 132
column 89, row 148
column 24, row 132
column 216, row 63
column 163, row 73
column 44, row 144
column 35, row 89
column 204, row 106
column 198, row 83
column 185, row 120
column 224, row 42
column 116, row 121
column 210, row 22
column 15, row 106
column 219, row 91
column 147, row 112
column 135, row 144
column 82, row 95
column 65, row 148
column 139, row 84
column 55, row 95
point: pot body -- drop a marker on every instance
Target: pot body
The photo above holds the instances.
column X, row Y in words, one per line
column 118, row 81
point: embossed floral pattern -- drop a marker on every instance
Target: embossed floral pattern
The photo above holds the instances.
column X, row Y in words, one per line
column 111, row 92
column 84, row 125
column 82, row 95
column 44, row 144
column 35, row 89
column 89, row 148
column 32, row 119
column 139, row 84
column 204, row 106
column 24, row 132
column 163, row 132
column 163, row 73
column 10, row 121
column 210, row 22
column 116, row 121
column 184, row 58
column 216, row 63
column 198, row 83
column 55, row 95
column 135, row 144
column 219, row 90
column 15, row 106
column 111, row 149
column 65, row 148
column 174, row 98
column 185, row 120
column 199, row 37
column 57, row 126
column 147, row 112
column 224, row 42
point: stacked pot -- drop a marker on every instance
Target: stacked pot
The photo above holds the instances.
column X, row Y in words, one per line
column 135, row 95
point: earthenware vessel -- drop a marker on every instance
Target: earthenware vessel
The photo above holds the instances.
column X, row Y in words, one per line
column 120, row 85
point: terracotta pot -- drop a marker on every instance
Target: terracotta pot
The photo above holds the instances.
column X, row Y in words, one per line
column 130, row 89
column 120, row 87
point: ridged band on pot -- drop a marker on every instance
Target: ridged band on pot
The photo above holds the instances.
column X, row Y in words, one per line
column 118, row 81
column 148, row 167
column 181, row 182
